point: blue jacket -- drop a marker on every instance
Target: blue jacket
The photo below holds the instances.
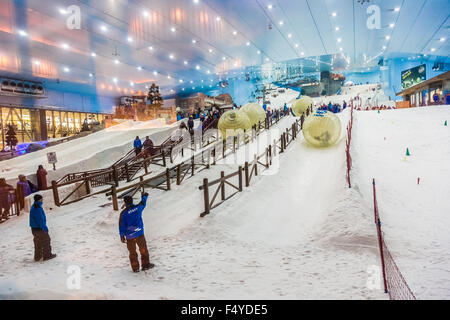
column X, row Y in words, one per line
column 37, row 217
column 130, row 222
column 137, row 143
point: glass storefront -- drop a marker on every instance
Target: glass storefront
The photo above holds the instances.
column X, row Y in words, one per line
column 32, row 124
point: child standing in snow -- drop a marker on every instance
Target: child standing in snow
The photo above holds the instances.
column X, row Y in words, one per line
column 131, row 229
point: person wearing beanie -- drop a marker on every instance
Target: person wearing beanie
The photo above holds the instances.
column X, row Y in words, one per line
column 38, row 224
column 131, row 230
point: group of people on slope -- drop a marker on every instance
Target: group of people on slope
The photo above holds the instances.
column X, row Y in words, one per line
column 145, row 149
column 24, row 186
column 335, row 108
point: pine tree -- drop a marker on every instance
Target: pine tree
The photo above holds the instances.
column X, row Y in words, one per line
column 11, row 138
column 154, row 96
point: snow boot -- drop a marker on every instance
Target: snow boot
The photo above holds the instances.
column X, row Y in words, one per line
column 51, row 257
column 135, row 270
column 150, row 266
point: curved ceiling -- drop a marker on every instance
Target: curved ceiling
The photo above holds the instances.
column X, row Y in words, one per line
column 193, row 43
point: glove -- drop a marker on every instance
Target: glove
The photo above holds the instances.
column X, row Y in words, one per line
column 122, row 238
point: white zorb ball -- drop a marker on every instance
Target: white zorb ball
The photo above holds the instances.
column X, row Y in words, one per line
column 301, row 105
column 322, row 129
column 233, row 123
column 254, row 112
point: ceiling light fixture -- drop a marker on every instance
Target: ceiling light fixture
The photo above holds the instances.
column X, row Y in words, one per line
column 269, row 7
column 104, row 28
column 334, row 14
column 281, row 23
column 22, row 33
column 397, row 9
column 391, row 25
column 173, row 29
column 93, row 54
column 130, row 39
column 66, row 69
column 234, row 32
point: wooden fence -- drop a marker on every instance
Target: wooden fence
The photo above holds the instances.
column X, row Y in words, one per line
column 250, row 168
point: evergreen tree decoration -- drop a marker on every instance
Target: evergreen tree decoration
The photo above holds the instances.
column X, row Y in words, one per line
column 445, row 123
column 407, row 152
column 11, row 138
column 154, row 96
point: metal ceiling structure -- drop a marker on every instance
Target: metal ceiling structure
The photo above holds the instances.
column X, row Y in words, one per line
column 123, row 46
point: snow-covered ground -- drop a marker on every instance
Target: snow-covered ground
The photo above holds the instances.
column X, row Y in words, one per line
column 415, row 217
column 298, row 233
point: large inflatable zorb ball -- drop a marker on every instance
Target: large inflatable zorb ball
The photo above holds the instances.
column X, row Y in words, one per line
column 322, row 129
column 233, row 123
column 300, row 106
column 254, row 112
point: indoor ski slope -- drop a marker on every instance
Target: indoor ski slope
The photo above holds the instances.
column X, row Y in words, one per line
column 290, row 235
column 297, row 233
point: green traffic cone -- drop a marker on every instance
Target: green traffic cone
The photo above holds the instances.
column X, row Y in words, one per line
column 407, row 152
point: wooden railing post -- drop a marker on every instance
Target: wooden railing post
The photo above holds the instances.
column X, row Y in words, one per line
column 179, row 174
column 247, row 178
column 163, row 157
column 206, row 197
column 114, row 198
column 88, row 186
column 222, row 184
column 192, row 166
column 55, row 193
column 145, row 165
column 270, row 154
column 115, row 176
column 168, row 178
column 240, row 178
column 127, row 172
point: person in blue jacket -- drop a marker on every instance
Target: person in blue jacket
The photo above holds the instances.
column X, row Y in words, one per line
column 38, row 224
column 131, row 230
column 137, row 144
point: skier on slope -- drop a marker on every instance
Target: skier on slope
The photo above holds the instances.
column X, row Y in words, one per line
column 137, row 144
column 131, row 230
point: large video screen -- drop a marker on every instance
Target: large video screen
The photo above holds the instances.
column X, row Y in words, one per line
column 413, row 76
